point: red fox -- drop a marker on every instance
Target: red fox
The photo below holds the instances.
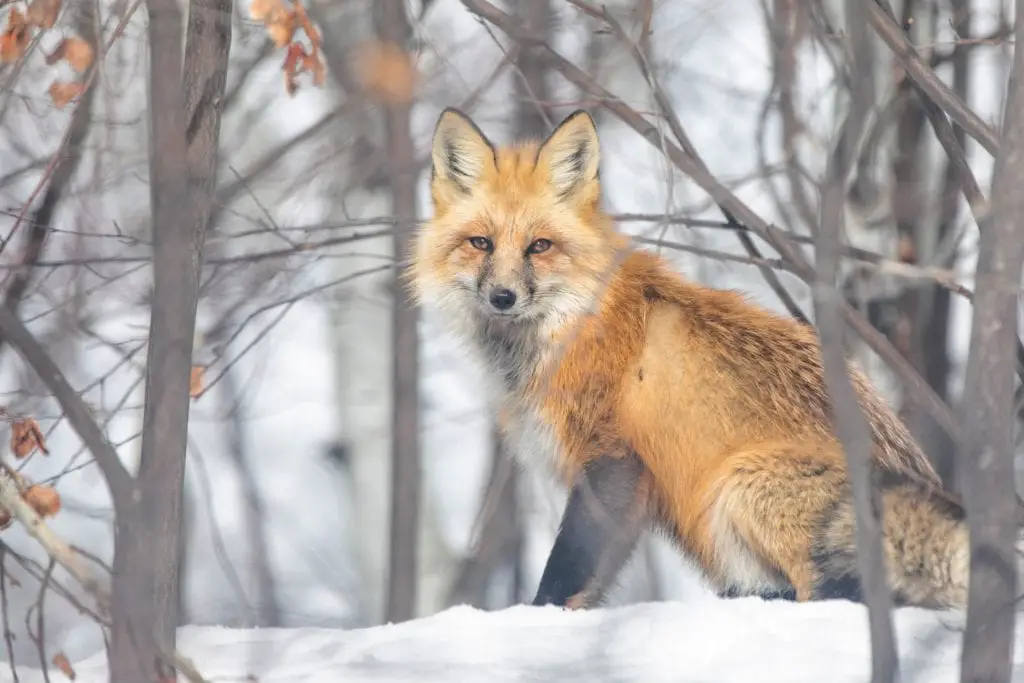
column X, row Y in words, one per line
column 662, row 404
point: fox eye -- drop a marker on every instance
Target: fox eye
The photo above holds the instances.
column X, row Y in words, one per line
column 481, row 243
column 538, row 246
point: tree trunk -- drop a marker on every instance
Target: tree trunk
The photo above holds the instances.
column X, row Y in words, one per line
column 393, row 28
column 184, row 118
column 268, row 610
column 936, row 300
column 361, row 316
column 850, row 422
column 985, row 462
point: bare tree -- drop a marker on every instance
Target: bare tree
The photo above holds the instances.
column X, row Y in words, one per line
column 268, row 609
column 393, row 29
column 851, row 423
column 986, row 456
column 184, row 116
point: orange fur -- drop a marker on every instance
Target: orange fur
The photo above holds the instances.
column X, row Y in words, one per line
column 613, row 352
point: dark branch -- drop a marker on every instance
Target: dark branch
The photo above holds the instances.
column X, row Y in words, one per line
column 940, row 93
column 78, row 414
column 852, row 426
column 985, row 458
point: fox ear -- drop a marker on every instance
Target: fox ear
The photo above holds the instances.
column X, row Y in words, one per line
column 461, row 154
column 572, row 155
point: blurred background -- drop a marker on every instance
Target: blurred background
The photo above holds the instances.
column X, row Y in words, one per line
column 291, row 468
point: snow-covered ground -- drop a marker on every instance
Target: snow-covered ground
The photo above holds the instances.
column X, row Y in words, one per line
column 744, row 640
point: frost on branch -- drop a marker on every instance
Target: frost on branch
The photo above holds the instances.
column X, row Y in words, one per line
column 283, row 22
column 25, row 25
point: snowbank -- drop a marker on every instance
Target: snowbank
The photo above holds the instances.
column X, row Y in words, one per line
column 743, row 640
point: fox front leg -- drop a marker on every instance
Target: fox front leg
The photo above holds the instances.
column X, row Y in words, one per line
column 603, row 519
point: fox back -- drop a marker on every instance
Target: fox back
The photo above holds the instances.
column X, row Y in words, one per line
column 661, row 403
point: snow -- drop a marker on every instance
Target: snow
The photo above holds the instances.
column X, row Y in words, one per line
column 706, row 639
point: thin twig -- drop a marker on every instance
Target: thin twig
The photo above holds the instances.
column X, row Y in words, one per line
column 78, row 414
column 8, row 635
column 61, row 552
column 939, row 92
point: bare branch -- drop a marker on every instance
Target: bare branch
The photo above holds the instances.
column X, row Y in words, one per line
column 393, row 27
column 64, row 555
column 851, row 424
column 986, row 454
column 939, row 92
column 64, row 165
column 78, row 414
column 665, row 106
column 8, row 634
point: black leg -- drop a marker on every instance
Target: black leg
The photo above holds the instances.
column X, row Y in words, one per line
column 601, row 525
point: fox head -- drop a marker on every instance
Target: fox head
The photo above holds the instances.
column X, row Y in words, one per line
column 518, row 234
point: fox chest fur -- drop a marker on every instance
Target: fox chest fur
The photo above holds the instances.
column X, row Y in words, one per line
column 559, row 388
column 513, row 359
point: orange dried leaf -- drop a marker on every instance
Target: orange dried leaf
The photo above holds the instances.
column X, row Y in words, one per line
column 43, row 13
column 195, row 381
column 281, row 33
column 10, row 50
column 60, row 661
column 386, row 72
column 62, row 93
column 262, row 10
column 76, row 51
column 43, row 499
column 294, row 59
column 15, row 37
column 26, row 437
column 279, row 20
column 315, row 66
column 314, row 35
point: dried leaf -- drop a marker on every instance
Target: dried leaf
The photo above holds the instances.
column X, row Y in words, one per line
column 76, row 51
column 281, row 33
column 315, row 66
column 26, row 437
column 195, row 381
column 15, row 37
column 43, row 13
column 294, row 59
column 279, row 20
column 43, row 499
column 5, row 518
column 60, row 661
column 386, row 72
column 262, row 10
column 10, row 50
column 62, row 93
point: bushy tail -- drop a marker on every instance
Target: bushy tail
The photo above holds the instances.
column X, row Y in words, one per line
column 924, row 543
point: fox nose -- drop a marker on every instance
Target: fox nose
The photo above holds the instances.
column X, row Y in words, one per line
column 503, row 299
